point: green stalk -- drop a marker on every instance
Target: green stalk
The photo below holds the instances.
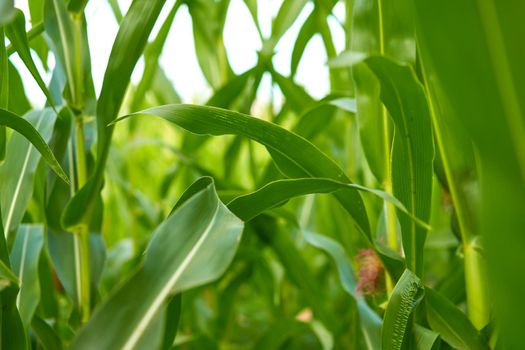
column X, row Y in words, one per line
column 390, row 210
column 476, row 283
column 81, row 237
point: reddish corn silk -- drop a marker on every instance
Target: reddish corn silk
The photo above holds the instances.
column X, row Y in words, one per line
column 370, row 272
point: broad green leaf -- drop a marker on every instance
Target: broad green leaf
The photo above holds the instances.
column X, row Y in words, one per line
column 277, row 192
column 451, row 323
column 16, row 33
column 369, row 321
column 406, row 295
column 482, row 82
column 413, row 150
column 193, row 246
column 25, row 256
column 22, row 159
column 289, row 147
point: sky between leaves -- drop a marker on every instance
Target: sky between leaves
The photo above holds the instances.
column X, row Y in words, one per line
column 179, row 59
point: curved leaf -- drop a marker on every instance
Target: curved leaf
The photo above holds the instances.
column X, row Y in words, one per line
column 369, row 320
column 16, row 33
column 250, row 205
column 298, row 155
column 21, row 162
column 193, row 246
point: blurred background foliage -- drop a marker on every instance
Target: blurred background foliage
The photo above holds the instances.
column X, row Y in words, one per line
column 292, row 283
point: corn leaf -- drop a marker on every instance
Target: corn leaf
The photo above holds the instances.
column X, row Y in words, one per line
column 295, row 154
column 25, row 150
column 413, row 150
column 16, row 33
column 407, row 294
column 482, row 85
column 452, row 324
column 193, row 246
column 24, row 256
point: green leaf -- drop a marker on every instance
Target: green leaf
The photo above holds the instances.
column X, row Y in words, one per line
column 69, row 42
column 16, row 33
column 193, row 246
column 425, row 339
column 208, row 24
column 406, row 295
column 17, row 171
column 378, row 27
column 173, row 313
column 25, row 257
column 127, row 49
column 275, row 193
column 287, row 15
column 369, row 321
column 451, row 324
column 482, row 82
column 152, row 54
column 306, row 33
column 7, row 11
column 46, row 334
column 7, row 277
column 18, row 102
column 413, row 150
column 4, row 89
column 77, row 6
column 289, row 147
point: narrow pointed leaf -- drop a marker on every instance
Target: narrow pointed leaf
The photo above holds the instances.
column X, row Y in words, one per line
column 16, row 33
column 277, row 192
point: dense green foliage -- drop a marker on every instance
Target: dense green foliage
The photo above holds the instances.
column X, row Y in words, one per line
column 386, row 215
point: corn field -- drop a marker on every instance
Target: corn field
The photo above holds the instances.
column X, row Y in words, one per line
column 388, row 213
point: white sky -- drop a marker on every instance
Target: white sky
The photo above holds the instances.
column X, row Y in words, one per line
column 180, row 62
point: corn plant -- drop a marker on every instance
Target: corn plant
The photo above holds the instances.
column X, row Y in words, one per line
column 385, row 215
